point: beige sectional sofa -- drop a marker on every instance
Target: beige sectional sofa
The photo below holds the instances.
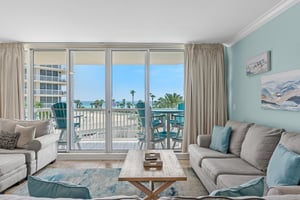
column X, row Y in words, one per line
column 251, row 147
column 17, row 163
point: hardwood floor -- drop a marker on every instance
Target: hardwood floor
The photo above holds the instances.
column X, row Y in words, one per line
column 85, row 164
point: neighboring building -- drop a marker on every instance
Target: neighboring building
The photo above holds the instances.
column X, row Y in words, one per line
column 49, row 84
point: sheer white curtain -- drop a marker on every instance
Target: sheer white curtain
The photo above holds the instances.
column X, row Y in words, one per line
column 11, row 80
column 205, row 90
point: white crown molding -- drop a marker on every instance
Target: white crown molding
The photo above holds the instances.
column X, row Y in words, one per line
column 263, row 19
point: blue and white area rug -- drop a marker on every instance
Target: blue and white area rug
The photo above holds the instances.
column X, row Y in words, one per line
column 104, row 182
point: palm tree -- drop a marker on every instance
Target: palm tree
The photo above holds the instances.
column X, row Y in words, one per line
column 113, row 103
column 92, row 104
column 128, row 104
column 98, row 103
column 152, row 97
column 122, row 104
column 78, row 103
column 132, row 92
column 169, row 100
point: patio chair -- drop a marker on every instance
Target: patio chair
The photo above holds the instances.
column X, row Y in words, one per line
column 178, row 122
column 157, row 122
column 59, row 111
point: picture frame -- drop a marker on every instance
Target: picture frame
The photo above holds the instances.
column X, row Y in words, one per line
column 259, row 64
column 281, row 91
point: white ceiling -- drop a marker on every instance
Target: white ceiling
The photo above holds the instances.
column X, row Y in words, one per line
column 140, row 21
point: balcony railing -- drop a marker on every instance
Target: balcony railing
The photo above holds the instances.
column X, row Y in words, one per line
column 125, row 124
column 49, row 92
column 49, row 78
column 92, row 130
column 62, row 67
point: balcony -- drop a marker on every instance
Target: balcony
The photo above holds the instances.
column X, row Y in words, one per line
column 125, row 128
column 38, row 92
column 49, row 78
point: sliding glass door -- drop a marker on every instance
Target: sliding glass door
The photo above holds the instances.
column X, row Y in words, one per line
column 88, row 100
column 114, row 99
column 48, row 86
column 128, row 88
column 166, row 94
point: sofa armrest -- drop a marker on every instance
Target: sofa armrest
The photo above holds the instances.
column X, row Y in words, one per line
column 284, row 190
column 42, row 142
column 204, row 140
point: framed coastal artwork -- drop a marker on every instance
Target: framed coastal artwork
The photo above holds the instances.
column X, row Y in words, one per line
column 259, row 64
column 281, row 91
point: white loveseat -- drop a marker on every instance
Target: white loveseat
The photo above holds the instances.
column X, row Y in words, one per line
column 17, row 163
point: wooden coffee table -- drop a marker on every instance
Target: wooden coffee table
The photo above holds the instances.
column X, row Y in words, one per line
column 134, row 172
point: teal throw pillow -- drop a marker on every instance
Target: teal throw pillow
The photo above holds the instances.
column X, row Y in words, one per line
column 254, row 187
column 38, row 187
column 220, row 138
column 283, row 168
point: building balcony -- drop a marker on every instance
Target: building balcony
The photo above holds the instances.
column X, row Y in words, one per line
column 50, row 78
column 44, row 92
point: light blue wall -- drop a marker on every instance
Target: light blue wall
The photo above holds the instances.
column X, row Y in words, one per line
column 282, row 37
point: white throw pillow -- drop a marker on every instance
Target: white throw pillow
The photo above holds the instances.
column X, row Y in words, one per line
column 27, row 134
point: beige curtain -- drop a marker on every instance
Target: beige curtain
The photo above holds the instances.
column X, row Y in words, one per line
column 11, row 81
column 205, row 90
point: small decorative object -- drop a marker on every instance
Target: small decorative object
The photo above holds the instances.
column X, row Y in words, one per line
column 152, row 161
column 259, row 64
column 152, row 156
column 281, row 91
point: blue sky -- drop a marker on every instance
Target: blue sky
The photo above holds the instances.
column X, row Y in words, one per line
column 89, row 81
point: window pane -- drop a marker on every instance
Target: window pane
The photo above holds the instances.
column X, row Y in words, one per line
column 166, row 93
column 49, row 87
column 128, row 85
column 89, row 100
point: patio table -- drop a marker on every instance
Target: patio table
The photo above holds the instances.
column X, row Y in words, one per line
column 168, row 113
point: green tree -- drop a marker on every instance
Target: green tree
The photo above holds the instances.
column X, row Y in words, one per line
column 128, row 105
column 98, row 103
column 123, row 103
column 169, row 101
column 152, row 98
column 78, row 103
column 132, row 92
column 92, row 104
column 38, row 104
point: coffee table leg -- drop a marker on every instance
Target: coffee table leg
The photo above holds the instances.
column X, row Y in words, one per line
column 152, row 194
column 151, row 185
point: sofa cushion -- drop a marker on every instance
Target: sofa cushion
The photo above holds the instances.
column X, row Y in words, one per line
column 218, row 166
column 29, row 155
column 42, row 126
column 220, row 139
column 291, row 141
column 27, row 134
column 7, row 125
column 8, row 140
column 284, row 168
column 201, row 153
column 259, row 144
column 42, row 188
column 10, row 162
column 254, row 187
column 238, row 132
column 284, row 190
column 231, row 180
